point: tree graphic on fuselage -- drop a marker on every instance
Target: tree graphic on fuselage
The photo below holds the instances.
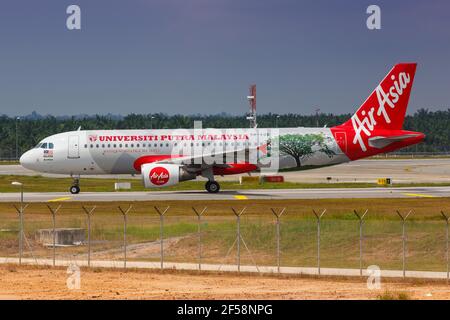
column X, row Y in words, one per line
column 303, row 146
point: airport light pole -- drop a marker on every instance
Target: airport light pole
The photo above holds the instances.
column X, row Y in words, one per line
column 17, row 138
column 19, row 184
column 317, row 117
column 151, row 121
column 276, row 121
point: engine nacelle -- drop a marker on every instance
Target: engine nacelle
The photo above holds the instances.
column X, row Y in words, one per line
column 164, row 175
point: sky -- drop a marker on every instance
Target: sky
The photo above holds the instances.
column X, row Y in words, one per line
column 200, row 56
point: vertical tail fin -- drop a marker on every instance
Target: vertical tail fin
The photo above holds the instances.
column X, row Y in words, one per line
column 385, row 108
column 377, row 125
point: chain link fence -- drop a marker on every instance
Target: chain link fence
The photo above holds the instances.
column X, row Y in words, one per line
column 228, row 237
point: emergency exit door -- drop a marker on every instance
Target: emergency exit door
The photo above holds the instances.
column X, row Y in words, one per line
column 74, row 147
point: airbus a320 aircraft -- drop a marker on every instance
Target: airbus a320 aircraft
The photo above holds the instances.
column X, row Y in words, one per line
column 167, row 157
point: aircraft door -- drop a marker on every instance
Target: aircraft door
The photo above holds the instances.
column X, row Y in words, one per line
column 341, row 141
column 74, row 147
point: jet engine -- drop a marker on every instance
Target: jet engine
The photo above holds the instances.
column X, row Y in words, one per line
column 163, row 175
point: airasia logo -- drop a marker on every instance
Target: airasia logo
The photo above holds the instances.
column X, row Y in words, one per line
column 364, row 127
column 159, row 176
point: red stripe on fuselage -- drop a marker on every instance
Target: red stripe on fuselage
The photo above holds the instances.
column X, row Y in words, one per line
column 235, row 168
column 150, row 159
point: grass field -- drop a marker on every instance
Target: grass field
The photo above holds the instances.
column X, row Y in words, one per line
column 339, row 232
column 44, row 184
column 8, row 163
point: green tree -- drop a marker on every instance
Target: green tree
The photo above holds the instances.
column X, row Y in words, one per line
column 303, row 146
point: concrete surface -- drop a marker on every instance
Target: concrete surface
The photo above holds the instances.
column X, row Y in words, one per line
column 63, row 236
column 229, row 268
column 401, row 170
column 391, row 192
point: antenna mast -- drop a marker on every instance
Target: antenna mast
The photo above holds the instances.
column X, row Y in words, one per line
column 252, row 101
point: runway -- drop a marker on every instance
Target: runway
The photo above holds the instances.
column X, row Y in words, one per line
column 399, row 170
column 275, row 194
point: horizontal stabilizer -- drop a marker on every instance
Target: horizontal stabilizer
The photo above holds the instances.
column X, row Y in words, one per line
column 380, row 142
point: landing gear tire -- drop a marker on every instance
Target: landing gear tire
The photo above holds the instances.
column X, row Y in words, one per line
column 74, row 189
column 212, row 186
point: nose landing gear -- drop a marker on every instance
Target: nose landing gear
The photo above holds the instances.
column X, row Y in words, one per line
column 212, row 186
column 75, row 188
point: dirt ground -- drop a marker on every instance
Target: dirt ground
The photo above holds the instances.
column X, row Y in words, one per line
column 28, row 282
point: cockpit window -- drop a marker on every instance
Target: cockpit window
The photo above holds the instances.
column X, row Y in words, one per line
column 44, row 145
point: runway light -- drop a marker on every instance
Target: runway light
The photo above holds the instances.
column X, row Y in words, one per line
column 16, row 183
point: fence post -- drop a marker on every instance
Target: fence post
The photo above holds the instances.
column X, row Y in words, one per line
column 54, row 212
column 238, row 220
column 20, row 210
column 318, row 216
column 277, row 216
column 360, row 218
column 404, row 238
column 161, row 229
column 199, row 232
column 89, row 212
column 446, row 218
column 125, row 215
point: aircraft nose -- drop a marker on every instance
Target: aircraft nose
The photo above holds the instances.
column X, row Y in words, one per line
column 26, row 160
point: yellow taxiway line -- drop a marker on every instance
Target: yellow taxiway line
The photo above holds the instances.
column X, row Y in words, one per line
column 419, row 195
column 59, row 199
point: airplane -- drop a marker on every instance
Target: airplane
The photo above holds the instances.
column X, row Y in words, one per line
column 167, row 157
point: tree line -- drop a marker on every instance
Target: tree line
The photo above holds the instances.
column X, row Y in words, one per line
column 435, row 124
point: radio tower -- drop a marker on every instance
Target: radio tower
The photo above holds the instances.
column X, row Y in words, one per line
column 252, row 101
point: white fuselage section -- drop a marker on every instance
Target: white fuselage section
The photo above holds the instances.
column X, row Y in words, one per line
column 117, row 151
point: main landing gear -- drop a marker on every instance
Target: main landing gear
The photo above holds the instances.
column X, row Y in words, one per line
column 75, row 188
column 212, row 186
